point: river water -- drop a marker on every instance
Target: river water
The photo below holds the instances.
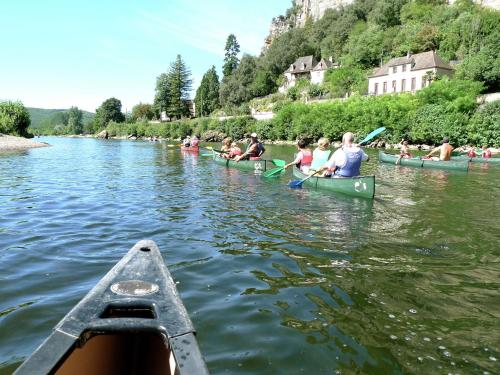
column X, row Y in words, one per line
column 276, row 281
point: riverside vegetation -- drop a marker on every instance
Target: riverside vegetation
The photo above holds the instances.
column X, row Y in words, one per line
column 359, row 36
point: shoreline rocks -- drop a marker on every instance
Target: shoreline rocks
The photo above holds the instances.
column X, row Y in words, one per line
column 13, row 143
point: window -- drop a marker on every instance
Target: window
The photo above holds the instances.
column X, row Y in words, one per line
column 403, row 85
column 404, row 68
column 413, row 84
column 394, row 86
column 394, row 69
column 384, row 87
column 424, row 81
column 376, row 89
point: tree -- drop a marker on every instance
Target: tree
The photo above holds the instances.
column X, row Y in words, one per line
column 207, row 95
column 172, row 90
column 75, row 121
column 235, row 89
column 142, row 111
column 179, row 87
column 162, row 95
column 231, row 56
column 14, row 118
column 345, row 80
column 110, row 110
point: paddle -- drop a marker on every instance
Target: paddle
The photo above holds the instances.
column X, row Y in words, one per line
column 298, row 183
column 279, row 162
column 273, row 172
column 372, row 135
column 208, row 155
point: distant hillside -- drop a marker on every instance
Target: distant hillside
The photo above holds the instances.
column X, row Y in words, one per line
column 41, row 117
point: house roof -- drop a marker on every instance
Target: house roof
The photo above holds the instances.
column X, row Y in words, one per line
column 303, row 64
column 424, row 60
column 323, row 65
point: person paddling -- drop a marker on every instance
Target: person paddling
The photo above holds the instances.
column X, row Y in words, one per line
column 234, row 150
column 346, row 161
column 226, row 147
column 187, row 141
column 304, row 157
column 321, row 154
column 254, row 150
column 444, row 151
column 486, row 152
column 195, row 141
column 404, row 152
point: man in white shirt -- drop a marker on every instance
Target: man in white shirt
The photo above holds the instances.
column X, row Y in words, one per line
column 346, row 161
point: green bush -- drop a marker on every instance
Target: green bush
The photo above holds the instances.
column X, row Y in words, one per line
column 484, row 126
column 14, row 118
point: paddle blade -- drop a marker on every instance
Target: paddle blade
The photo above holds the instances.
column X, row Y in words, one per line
column 273, row 172
column 208, row 155
column 295, row 184
column 372, row 135
column 279, row 162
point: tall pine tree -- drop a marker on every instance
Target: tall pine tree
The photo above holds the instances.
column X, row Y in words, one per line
column 231, row 60
column 207, row 95
column 172, row 90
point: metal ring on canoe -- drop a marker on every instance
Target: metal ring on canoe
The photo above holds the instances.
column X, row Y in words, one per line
column 134, row 288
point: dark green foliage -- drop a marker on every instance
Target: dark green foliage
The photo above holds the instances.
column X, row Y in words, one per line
column 110, row 110
column 14, row 118
column 207, row 94
column 75, row 121
column 344, row 80
column 142, row 111
column 484, row 126
column 231, row 55
column 236, row 88
column 172, row 90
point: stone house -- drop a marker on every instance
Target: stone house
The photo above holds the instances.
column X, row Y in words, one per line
column 308, row 68
column 407, row 74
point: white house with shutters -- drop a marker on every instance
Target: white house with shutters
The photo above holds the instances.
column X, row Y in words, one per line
column 306, row 67
column 407, row 74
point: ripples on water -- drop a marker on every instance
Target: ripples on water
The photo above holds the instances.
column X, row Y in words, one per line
column 275, row 280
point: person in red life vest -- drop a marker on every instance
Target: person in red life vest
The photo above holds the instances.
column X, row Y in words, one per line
column 486, row 152
column 234, row 151
column 404, row 153
column 195, row 141
column 304, row 157
column 346, row 161
column 254, row 150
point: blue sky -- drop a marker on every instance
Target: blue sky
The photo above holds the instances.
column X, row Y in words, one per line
column 56, row 54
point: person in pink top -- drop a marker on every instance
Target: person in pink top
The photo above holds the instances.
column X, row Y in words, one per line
column 486, row 152
column 304, row 157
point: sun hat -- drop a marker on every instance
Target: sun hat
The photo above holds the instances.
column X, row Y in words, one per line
column 253, row 135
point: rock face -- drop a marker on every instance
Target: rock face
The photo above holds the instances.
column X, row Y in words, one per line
column 315, row 9
column 303, row 10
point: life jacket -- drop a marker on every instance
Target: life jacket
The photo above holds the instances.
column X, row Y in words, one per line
column 352, row 164
column 259, row 150
column 194, row 142
column 487, row 154
column 307, row 158
column 320, row 157
column 236, row 151
column 471, row 154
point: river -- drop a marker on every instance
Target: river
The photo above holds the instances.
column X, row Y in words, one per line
column 276, row 281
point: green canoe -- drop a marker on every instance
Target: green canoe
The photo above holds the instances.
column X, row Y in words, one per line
column 360, row 186
column 247, row 165
column 452, row 165
column 477, row 159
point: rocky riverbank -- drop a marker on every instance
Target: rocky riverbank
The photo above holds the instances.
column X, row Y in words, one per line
column 12, row 143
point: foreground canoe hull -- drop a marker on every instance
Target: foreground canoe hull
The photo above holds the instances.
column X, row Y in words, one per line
column 247, row 165
column 132, row 322
column 360, row 186
column 452, row 165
